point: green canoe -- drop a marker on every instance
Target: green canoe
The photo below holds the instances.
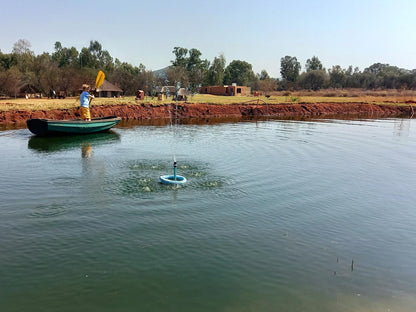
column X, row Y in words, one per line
column 45, row 127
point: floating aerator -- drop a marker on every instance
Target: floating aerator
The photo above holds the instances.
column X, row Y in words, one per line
column 172, row 179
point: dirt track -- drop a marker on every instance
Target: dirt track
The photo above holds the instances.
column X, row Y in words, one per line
column 146, row 112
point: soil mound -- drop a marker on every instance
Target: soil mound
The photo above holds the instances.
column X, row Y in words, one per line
column 182, row 110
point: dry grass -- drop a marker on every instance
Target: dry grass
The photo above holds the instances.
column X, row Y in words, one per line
column 48, row 104
column 353, row 95
column 397, row 97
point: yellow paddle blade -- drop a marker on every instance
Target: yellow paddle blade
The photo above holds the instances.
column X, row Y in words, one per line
column 100, row 79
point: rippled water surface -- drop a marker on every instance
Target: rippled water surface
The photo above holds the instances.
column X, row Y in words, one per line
column 276, row 216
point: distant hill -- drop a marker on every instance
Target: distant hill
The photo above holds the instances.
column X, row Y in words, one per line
column 161, row 73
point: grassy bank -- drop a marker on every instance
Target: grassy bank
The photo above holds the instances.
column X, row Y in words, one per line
column 390, row 97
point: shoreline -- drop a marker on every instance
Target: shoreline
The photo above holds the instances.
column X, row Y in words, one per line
column 189, row 111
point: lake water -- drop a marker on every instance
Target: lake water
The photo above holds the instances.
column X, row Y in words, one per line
column 276, row 216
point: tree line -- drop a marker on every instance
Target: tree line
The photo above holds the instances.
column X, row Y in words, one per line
column 66, row 69
column 315, row 77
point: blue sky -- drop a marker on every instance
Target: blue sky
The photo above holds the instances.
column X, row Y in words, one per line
column 354, row 32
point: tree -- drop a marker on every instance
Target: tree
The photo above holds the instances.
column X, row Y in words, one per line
column 22, row 46
column 264, row 75
column 131, row 78
column 96, row 49
column 267, row 84
column 194, row 60
column 180, row 56
column 313, row 80
column 86, row 59
column 95, row 57
column 239, row 72
column 124, row 76
column 353, row 77
column 289, row 68
column 215, row 75
column 65, row 56
column 264, row 83
column 145, row 79
column 10, row 81
column 24, row 59
column 386, row 76
column 377, row 68
column 106, row 62
column 70, row 79
column 44, row 73
column 337, row 77
column 195, row 67
column 7, row 61
column 313, row 64
column 177, row 74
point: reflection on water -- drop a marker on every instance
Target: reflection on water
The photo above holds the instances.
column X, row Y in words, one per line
column 86, row 150
column 402, row 127
column 236, row 119
column 61, row 143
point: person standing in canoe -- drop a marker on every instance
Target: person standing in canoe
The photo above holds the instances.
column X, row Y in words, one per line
column 85, row 102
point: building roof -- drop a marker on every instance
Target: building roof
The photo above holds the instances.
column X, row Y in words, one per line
column 107, row 86
column 28, row 88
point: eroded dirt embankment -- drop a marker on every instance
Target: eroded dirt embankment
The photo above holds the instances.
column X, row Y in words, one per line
column 145, row 111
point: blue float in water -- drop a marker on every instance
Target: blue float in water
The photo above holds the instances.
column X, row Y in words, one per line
column 171, row 179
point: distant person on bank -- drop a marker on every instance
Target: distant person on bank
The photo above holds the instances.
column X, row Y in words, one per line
column 85, row 102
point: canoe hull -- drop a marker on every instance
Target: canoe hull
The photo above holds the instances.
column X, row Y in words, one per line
column 44, row 127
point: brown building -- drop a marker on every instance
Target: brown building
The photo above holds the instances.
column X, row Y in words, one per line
column 225, row 90
column 107, row 89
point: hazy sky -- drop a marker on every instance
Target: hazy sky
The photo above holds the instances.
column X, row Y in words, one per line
column 339, row 32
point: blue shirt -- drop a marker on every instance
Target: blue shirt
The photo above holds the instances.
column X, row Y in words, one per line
column 85, row 101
